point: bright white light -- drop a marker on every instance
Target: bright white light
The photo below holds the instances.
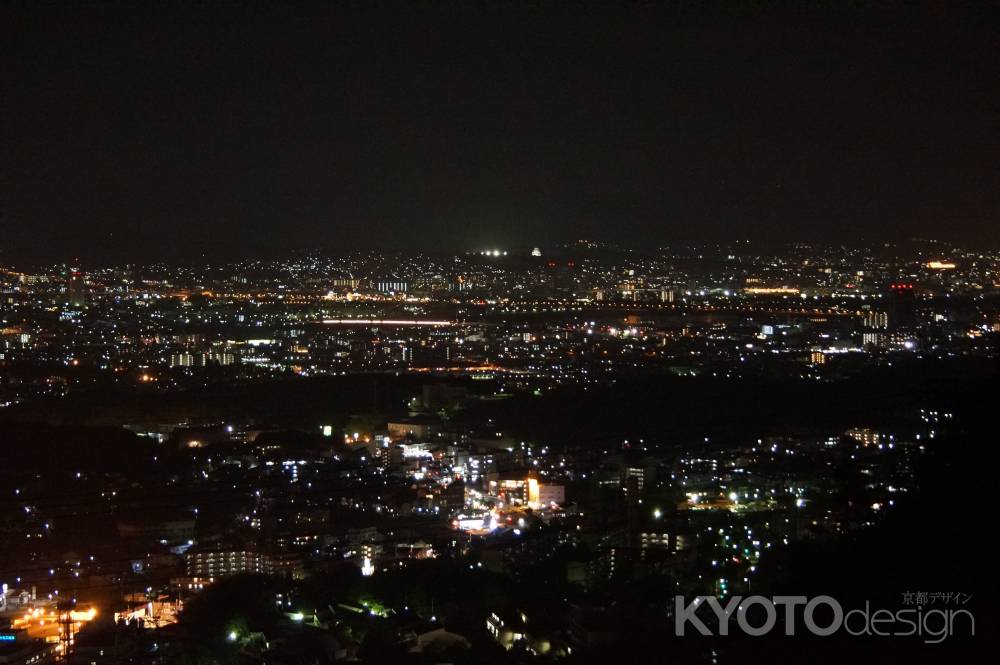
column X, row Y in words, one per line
column 384, row 322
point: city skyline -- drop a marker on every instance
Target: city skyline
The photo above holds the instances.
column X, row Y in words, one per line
column 221, row 254
column 498, row 332
column 348, row 442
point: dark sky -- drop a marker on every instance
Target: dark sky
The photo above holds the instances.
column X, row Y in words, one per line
column 256, row 127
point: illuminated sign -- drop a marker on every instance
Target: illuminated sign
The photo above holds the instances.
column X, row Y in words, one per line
column 8, row 637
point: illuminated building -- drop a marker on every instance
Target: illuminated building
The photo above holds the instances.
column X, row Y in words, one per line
column 183, row 360
column 520, row 488
column 874, row 320
column 506, row 631
column 873, row 339
column 224, row 563
column 141, row 610
column 863, row 435
column 221, row 358
column 901, row 307
column 13, row 600
column 523, row 489
column 76, row 289
column 670, row 541
column 18, row 648
column 549, row 494
column 479, row 465
column 368, row 552
column 391, row 287
column 637, row 475
column 514, row 488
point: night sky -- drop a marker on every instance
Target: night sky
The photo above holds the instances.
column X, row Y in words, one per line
column 254, row 128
